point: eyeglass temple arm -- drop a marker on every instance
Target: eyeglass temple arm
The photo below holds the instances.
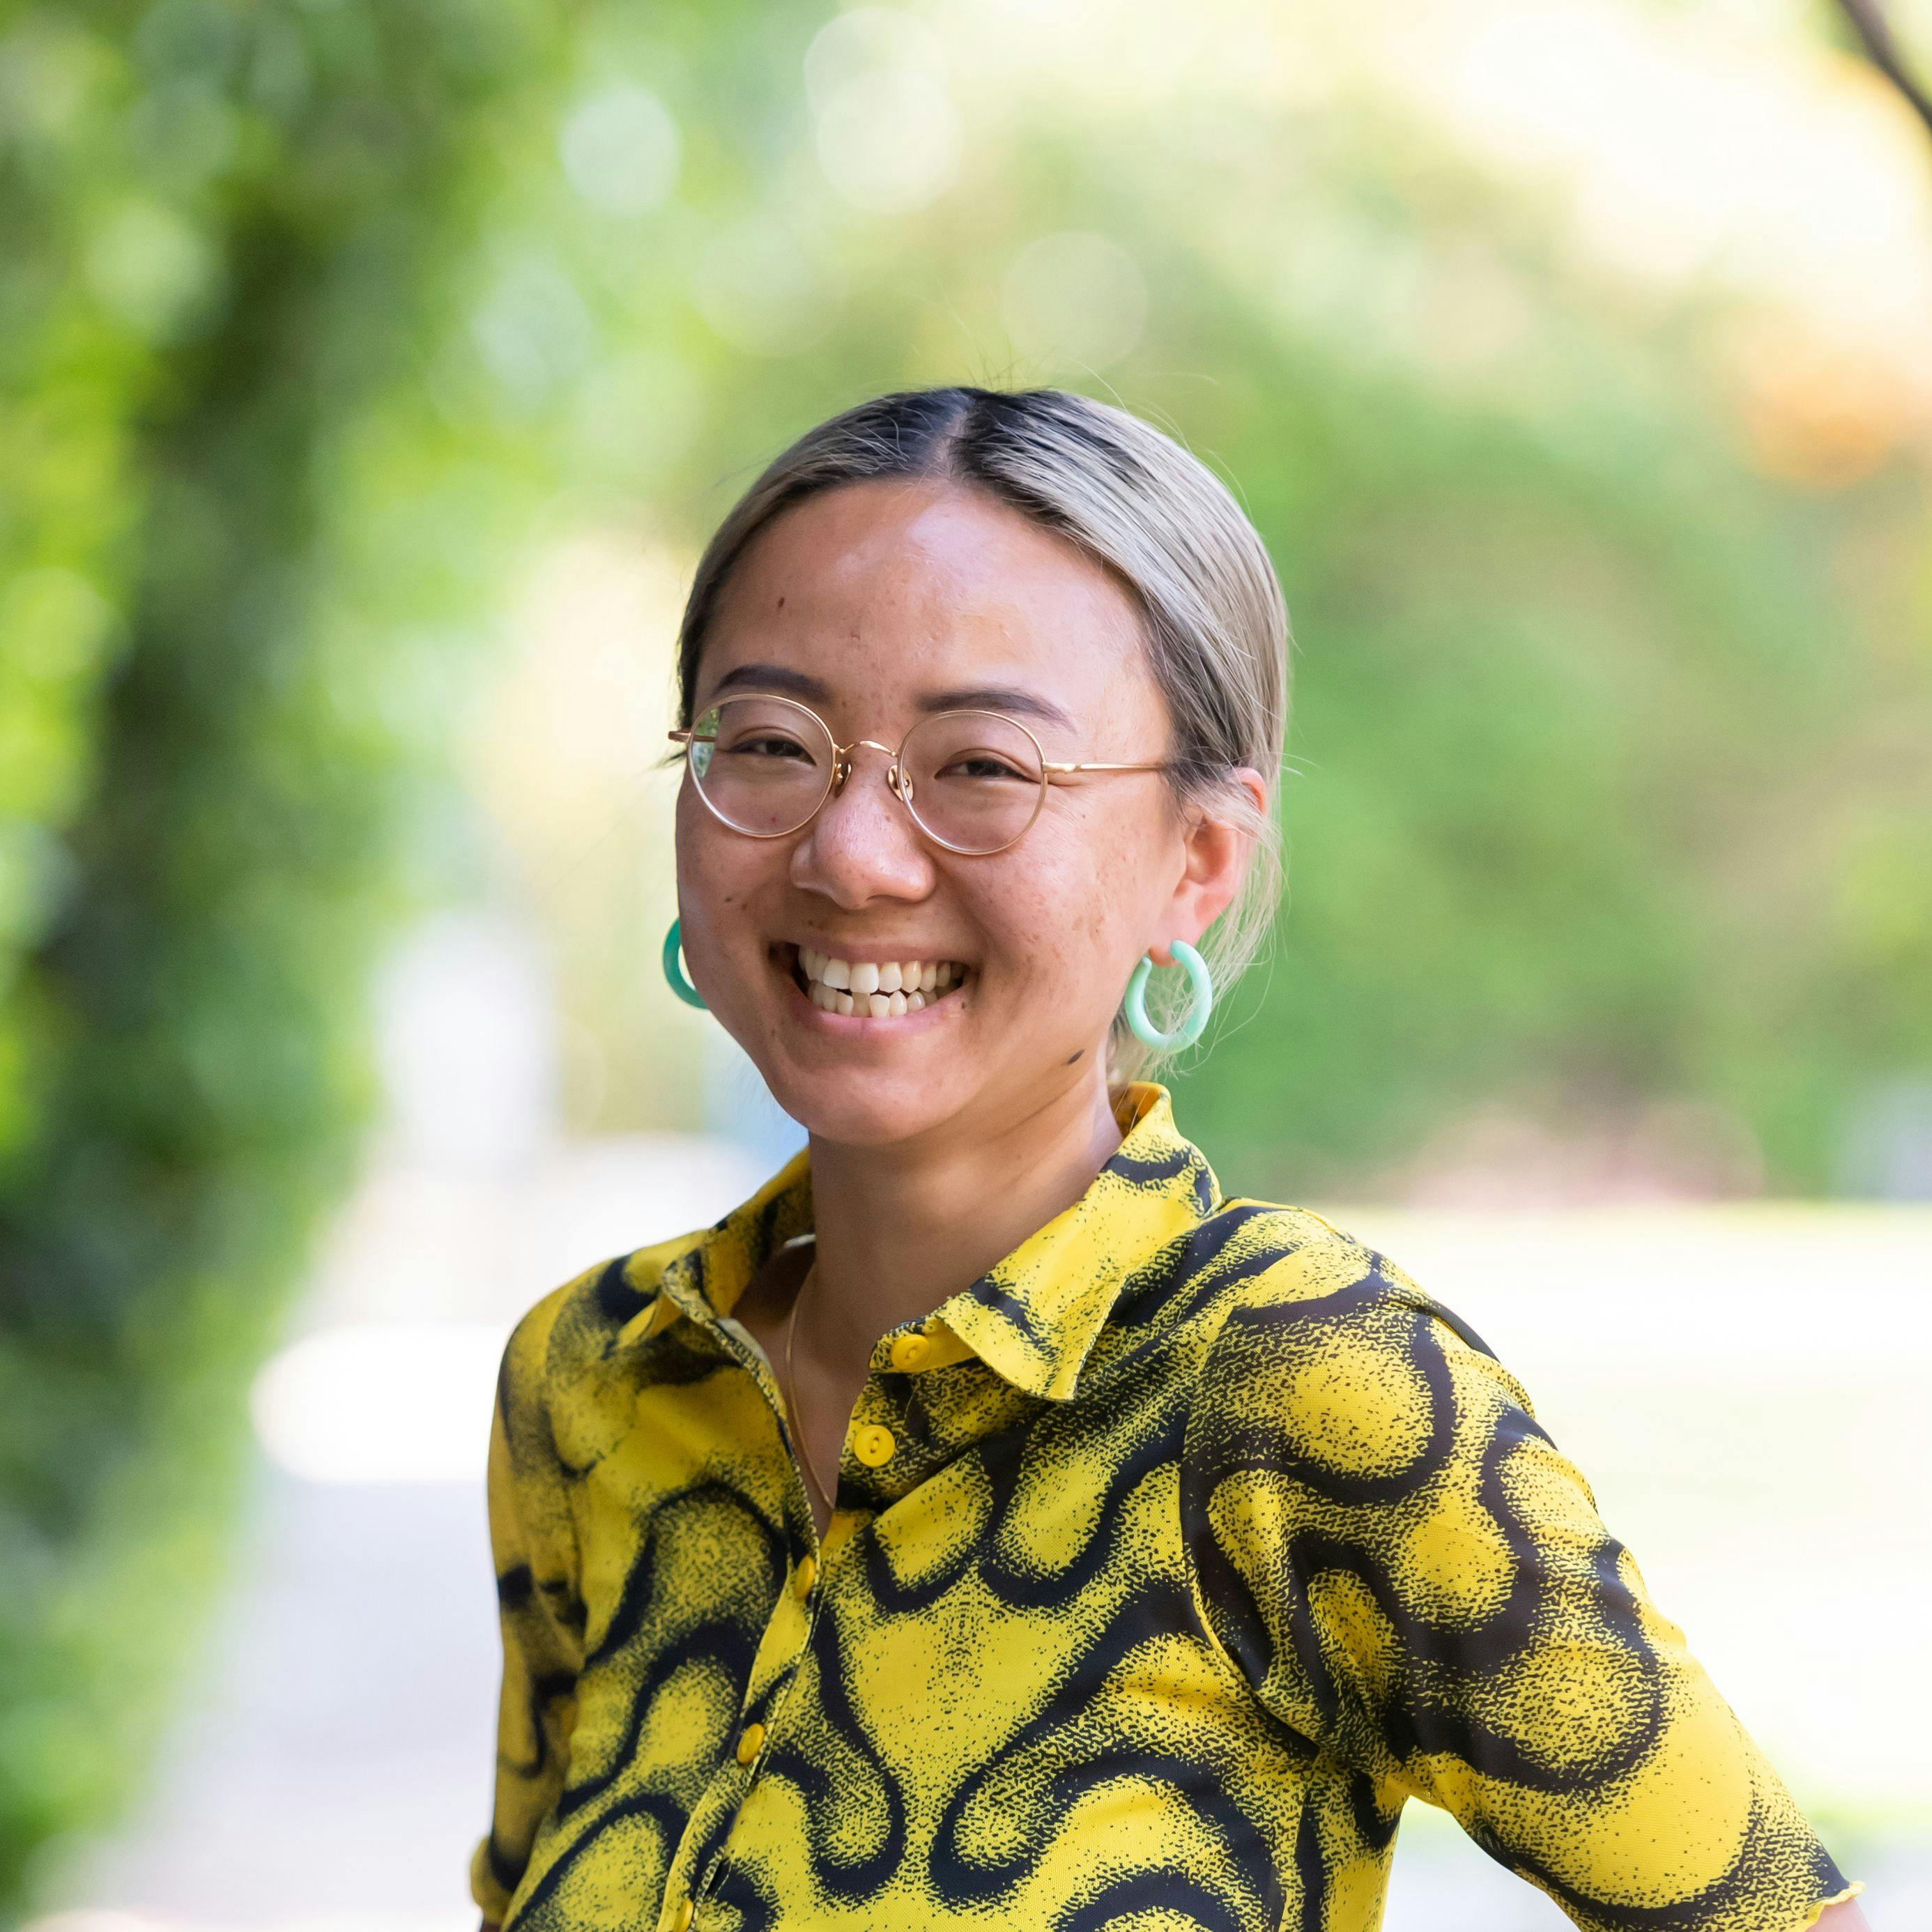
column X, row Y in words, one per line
column 1090, row 765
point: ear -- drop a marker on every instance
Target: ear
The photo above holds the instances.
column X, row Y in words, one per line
column 1215, row 850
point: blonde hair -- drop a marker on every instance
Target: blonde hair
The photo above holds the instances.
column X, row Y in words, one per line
column 1215, row 627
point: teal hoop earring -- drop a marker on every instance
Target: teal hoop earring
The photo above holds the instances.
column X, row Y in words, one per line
column 674, row 971
column 1199, row 984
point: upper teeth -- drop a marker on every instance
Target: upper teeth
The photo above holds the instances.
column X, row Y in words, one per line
column 896, row 986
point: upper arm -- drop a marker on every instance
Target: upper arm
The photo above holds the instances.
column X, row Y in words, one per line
column 1410, row 1573
column 533, row 1548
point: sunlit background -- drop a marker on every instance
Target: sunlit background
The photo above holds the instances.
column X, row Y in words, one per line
column 373, row 373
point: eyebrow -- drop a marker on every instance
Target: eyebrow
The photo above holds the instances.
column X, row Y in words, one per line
column 787, row 682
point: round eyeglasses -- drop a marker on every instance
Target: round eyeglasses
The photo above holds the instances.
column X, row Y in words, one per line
column 972, row 781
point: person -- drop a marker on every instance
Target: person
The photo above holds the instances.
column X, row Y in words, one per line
column 990, row 1521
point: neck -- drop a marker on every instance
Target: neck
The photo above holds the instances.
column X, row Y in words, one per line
column 900, row 1230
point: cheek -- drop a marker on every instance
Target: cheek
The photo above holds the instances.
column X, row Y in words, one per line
column 694, row 872
column 717, row 868
column 1074, row 910
column 1121, row 861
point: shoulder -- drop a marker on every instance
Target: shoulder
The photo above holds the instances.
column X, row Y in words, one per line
column 1328, row 1350
column 1319, row 1271
column 567, row 1346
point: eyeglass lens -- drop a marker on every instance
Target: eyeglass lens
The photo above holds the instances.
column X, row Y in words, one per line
column 764, row 765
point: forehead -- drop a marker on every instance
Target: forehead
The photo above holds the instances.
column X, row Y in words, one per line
column 880, row 587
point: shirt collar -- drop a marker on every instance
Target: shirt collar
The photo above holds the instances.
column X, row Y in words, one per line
column 1034, row 1316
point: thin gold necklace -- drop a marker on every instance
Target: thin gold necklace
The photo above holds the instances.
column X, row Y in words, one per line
column 791, row 1389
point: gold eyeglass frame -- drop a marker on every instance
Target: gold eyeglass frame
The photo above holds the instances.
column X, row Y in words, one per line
column 897, row 781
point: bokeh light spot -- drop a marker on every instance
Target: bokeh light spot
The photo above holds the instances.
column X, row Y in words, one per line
column 620, row 149
column 1075, row 299
column 889, row 134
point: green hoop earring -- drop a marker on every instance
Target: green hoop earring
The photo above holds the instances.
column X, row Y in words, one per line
column 674, row 971
column 1199, row 984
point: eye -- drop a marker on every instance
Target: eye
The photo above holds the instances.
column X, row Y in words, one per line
column 769, row 744
column 981, row 765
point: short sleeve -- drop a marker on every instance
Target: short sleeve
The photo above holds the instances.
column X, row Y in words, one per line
column 533, row 1546
column 1414, row 1579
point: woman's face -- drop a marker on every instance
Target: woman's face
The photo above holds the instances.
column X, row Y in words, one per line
column 882, row 595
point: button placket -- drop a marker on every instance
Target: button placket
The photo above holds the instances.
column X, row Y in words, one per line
column 756, row 1735
column 755, row 1363
column 893, row 1446
column 874, row 1445
column 744, row 1350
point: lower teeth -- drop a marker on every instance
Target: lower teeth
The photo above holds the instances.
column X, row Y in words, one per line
column 856, row 1007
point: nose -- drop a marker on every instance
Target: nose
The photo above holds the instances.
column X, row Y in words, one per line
column 863, row 845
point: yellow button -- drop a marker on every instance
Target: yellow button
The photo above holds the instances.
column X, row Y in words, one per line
column 804, row 1576
column 749, row 1739
column 682, row 1922
column 873, row 1445
column 909, row 1351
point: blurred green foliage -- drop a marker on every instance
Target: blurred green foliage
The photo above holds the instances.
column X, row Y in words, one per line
column 227, row 593
column 314, row 317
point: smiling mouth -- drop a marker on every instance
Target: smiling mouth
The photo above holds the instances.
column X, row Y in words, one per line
column 863, row 989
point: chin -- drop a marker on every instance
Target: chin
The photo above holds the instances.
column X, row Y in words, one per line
column 855, row 1108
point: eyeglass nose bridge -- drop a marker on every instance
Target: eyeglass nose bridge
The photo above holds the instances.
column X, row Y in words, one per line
column 897, row 777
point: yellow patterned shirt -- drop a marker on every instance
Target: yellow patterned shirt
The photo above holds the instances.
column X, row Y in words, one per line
column 1171, row 1558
